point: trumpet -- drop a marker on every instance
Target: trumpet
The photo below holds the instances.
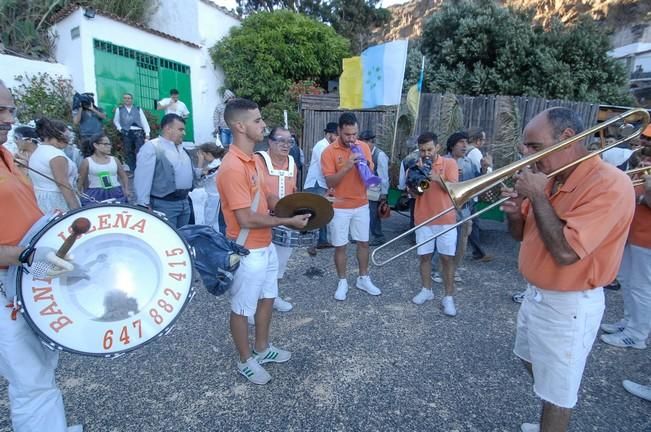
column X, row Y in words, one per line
column 638, row 172
column 462, row 192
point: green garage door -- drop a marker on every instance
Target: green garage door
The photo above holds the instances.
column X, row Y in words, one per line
column 120, row 70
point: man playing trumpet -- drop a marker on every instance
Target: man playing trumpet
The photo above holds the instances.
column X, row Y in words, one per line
column 573, row 228
column 633, row 330
column 433, row 200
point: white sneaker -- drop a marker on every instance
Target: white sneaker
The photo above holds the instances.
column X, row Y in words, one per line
column 423, row 296
column 638, row 390
column 272, row 354
column 457, row 278
column 621, row 340
column 342, row 290
column 436, row 277
column 252, row 370
column 614, row 327
column 530, row 427
column 448, row 306
column 364, row 283
column 281, row 305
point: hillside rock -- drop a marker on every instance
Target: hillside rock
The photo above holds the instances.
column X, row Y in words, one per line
column 628, row 20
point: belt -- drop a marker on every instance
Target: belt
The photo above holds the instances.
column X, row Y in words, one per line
column 177, row 195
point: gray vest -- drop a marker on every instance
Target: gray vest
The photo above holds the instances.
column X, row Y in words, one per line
column 128, row 119
column 164, row 182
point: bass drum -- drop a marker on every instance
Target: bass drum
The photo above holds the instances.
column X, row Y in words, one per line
column 132, row 279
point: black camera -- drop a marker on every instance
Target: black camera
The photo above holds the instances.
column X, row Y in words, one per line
column 83, row 100
column 418, row 176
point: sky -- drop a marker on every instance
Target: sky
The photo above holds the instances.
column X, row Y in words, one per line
column 231, row 4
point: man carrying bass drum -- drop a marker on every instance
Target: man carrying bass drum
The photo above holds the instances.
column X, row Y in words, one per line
column 35, row 401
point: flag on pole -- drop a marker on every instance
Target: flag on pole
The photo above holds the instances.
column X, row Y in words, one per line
column 374, row 78
column 413, row 95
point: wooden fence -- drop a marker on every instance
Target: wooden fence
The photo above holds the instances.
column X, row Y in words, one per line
column 477, row 112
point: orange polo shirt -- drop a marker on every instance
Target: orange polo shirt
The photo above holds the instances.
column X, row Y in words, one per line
column 434, row 200
column 271, row 181
column 238, row 182
column 596, row 203
column 640, row 233
column 351, row 191
column 19, row 208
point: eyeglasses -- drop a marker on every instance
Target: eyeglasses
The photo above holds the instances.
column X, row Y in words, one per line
column 104, row 143
column 282, row 140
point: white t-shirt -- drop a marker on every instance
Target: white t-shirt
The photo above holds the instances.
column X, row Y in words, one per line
column 314, row 173
column 40, row 161
column 177, row 107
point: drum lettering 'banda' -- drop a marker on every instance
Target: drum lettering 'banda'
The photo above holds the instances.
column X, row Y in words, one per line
column 132, row 278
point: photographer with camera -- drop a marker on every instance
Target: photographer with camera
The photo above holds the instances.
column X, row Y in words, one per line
column 87, row 115
column 425, row 182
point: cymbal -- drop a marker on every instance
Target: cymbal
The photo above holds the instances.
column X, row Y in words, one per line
column 303, row 203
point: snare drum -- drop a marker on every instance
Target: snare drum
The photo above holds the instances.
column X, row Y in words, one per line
column 282, row 236
column 132, row 279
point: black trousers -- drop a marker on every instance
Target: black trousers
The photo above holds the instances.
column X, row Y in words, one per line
column 132, row 140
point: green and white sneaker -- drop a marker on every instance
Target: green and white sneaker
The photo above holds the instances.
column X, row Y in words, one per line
column 272, row 354
column 252, row 371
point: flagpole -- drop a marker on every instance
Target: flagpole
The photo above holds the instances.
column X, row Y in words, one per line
column 395, row 134
column 420, row 93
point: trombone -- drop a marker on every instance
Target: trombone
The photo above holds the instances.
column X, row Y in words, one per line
column 462, row 192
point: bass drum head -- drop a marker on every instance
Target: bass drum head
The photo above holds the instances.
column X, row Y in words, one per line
column 132, row 279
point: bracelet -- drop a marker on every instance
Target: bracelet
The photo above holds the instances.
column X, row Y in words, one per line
column 26, row 255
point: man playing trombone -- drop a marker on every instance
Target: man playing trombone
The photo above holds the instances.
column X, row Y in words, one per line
column 571, row 212
column 425, row 182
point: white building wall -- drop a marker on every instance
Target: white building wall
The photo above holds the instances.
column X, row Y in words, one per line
column 204, row 25
column 11, row 67
column 202, row 74
column 213, row 25
column 68, row 50
column 177, row 18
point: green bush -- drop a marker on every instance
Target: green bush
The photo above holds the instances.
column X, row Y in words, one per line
column 271, row 51
column 43, row 95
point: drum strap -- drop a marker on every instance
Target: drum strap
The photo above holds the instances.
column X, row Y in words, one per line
column 244, row 232
column 281, row 174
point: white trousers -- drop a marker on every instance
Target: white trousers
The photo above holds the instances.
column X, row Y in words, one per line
column 635, row 279
column 283, row 254
column 35, row 400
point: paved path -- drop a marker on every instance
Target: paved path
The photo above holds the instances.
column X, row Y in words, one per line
column 366, row 364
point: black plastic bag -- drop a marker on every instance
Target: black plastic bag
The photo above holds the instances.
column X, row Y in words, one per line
column 216, row 257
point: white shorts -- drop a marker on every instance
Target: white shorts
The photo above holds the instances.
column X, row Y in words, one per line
column 356, row 221
column 255, row 279
column 555, row 333
column 444, row 245
column 283, row 254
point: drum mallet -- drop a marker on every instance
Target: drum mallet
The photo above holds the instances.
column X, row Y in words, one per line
column 79, row 226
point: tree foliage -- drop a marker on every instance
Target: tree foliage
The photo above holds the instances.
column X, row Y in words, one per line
column 271, row 51
column 24, row 24
column 478, row 47
column 352, row 19
column 43, row 95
